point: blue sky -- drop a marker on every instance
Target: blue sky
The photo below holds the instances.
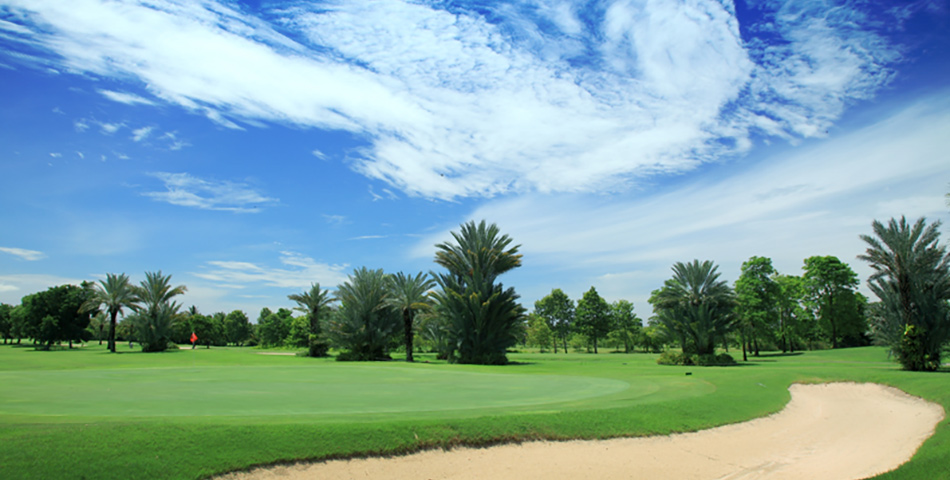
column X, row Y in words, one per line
column 251, row 148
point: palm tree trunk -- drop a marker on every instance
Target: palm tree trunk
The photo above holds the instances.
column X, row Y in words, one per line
column 112, row 316
column 407, row 323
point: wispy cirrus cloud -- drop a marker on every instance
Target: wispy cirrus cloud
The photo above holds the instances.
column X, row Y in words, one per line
column 298, row 271
column 126, row 98
column 185, row 190
column 454, row 101
column 29, row 255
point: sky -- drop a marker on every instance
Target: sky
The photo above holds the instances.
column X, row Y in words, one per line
column 250, row 149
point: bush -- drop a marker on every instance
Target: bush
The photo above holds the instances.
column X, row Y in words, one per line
column 707, row 360
column 913, row 353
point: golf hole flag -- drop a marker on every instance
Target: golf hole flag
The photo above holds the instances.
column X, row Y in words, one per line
column 194, row 338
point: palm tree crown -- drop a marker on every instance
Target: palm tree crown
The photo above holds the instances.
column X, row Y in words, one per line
column 114, row 293
column 408, row 294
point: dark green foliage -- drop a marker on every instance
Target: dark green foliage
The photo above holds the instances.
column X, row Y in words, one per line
column 829, row 287
column 273, row 328
column 756, row 300
column 626, row 325
column 113, row 294
column 912, row 280
column 6, row 322
column 557, row 309
column 695, row 306
column 704, row 360
column 593, row 316
column 156, row 311
column 483, row 318
column 365, row 326
column 67, row 319
column 790, row 311
column 237, row 327
column 313, row 302
column 409, row 295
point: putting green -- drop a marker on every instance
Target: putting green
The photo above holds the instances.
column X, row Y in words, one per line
column 324, row 390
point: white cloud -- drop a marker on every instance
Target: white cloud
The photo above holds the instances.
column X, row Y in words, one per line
column 110, row 128
column 56, row 155
column 29, row 255
column 299, row 271
column 815, row 200
column 14, row 287
column 334, row 219
column 126, row 98
column 140, row 134
column 319, row 154
column 80, row 155
column 453, row 104
column 188, row 191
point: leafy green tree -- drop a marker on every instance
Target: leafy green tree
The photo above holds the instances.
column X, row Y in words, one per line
column 299, row 334
column 434, row 331
column 912, row 279
column 203, row 328
column 97, row 325
column 6, row 322
column 626, row 324
column 539, row 334
column 409, row 295
column 484, row 319
column 593, row 316
column 756, row 298
column 365, row 326
column 695, row 306
column 237, row 327
column 157, row 311
column 114, row 294
column 557, row 309
column 789, row 309
column 312, row 302
column 829, row 286
column 67, row 319
column 275, row 328
column 219, row 331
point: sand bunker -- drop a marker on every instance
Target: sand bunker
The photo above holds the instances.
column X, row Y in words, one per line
column 830, row 431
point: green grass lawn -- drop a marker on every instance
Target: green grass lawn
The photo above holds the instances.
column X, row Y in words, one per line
column 86, row 413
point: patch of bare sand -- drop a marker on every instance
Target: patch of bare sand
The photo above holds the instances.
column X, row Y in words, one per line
column 829, row 431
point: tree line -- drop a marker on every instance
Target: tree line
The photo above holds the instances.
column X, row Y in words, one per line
column 466, row 315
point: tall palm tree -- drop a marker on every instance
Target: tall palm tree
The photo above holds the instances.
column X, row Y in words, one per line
column 365, row 326
column 157, row 309
column 114, row 293
column 912, row 279
column 697, row 305
column 311, row 303
column 408, row 295
column 482, row 316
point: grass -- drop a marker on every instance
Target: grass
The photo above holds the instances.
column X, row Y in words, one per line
column 85, row 413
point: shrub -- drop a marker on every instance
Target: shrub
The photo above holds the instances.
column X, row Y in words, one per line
column 706, row 360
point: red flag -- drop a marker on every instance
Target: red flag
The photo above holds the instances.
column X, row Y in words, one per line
column 194, row 338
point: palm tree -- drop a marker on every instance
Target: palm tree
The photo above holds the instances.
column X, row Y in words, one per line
column 912, row 279
column 695, row 305
column 157, row 309
column 365, row 326
column 311, row 302
column 483, row 317
column 408, row 295
column 114, row 293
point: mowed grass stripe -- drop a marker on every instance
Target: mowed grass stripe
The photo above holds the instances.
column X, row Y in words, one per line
column 326, row 389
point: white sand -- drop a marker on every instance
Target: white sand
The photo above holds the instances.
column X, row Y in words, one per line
column 830, row 431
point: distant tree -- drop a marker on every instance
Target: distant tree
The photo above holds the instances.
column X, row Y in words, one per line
column 626, row 324
column 312, row 302
column 695, row 306
column 237, row 327
column 484, row 319
column 434, row 331
column 157, row 311
column 789, row 309
column 67, row 320
column 539, row 334
column 409, row 295
column 756, row 299
column 912, row 279
column 299, row 334
column 97, row 325
column 275, row 328
column 557, row 309
column 365, row 326
column 203, row 328
column 652, row 339
column 6, row 322
column 113, row 294
column 829, row 287
column 593, row 316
